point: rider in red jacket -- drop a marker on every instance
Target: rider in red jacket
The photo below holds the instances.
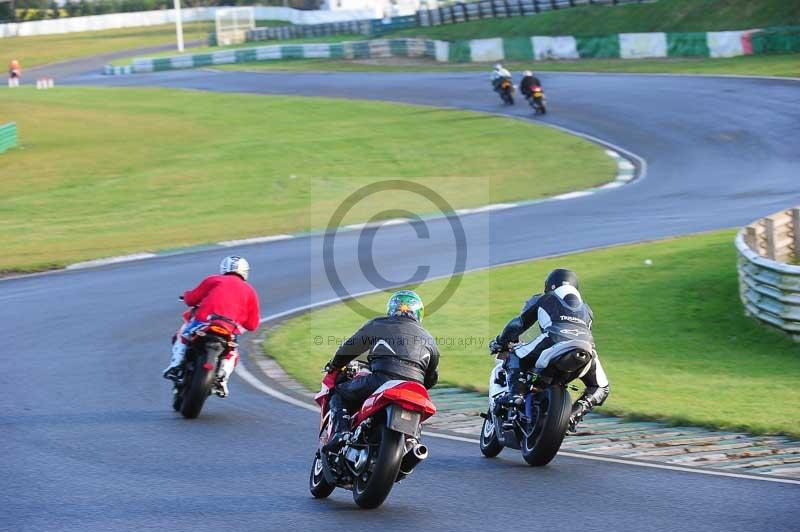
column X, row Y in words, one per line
column 227, row 294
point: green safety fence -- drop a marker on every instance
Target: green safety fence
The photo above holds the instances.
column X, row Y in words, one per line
column 8, row 136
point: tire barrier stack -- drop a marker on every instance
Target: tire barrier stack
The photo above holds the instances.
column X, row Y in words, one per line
column 451, row 14
column 769, row 270
column 8, row 136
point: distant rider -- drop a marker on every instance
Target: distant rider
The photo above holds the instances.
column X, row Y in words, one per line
column 227, row 294
column 527, row 83
column 561, row 303
column 498, row 75
column 399, row 349
column 14, row 73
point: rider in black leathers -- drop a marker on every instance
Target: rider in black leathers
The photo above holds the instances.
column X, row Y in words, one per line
column 560, row 303
column 399, row 349
column 527, row 83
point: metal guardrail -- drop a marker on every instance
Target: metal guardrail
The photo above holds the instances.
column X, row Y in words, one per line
column 8, row 136
column 450, row 14
column 769, row 270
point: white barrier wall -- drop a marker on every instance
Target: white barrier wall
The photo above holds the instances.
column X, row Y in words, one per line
column 486, row 49
column 725, row 43
column 554, row 47
column 167, row 16
column 641, row 45
column 442, row 51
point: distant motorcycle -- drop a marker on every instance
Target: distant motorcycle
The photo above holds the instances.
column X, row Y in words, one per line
column 538, row 426
column 506, row 91
column 198, row 377
column 537, row 100
column 385, row 444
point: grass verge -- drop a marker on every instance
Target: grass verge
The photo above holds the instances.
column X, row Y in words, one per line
column 45, row 49
column 787, row 65
column 664, row 15
column 672, row 335
column 108, row 171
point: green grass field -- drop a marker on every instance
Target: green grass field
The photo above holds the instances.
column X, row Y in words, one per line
column 46, row 49
column 754, row 65
column 672, row 336
column 102, row 172
column 664, row 15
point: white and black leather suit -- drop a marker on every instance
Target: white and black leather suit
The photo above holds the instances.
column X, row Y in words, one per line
column 563, row 307
column 399, row 349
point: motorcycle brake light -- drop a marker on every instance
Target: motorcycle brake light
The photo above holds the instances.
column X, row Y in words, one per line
column 216, row 329
column 208, row 366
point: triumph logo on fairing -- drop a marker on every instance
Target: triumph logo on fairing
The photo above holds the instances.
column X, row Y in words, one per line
column 574, row 332
column 573, row 319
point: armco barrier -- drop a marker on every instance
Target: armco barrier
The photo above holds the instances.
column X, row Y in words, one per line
column 8, row 136
column 769, row 285
column 536, row 48
column 376, row 48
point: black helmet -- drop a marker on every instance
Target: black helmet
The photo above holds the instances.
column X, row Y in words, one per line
column 560, row 277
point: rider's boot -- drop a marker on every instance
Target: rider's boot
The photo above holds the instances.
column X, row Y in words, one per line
column 516, row 390
column 224, row 374
column 178, row 354
column 341, row 426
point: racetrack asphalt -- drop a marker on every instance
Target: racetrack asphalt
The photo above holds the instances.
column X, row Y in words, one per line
column 92, row 443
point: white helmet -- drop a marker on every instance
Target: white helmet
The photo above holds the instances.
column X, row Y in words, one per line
column 498, row 66
column 237, row 265
column 527, row 73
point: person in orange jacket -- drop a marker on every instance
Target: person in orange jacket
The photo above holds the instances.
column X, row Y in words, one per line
column 14, row 73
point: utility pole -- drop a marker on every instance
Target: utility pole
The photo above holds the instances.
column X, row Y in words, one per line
column 179, row 25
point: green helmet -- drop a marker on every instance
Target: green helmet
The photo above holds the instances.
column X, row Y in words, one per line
column 406, row 303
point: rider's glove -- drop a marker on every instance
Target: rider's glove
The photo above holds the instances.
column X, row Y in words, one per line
column 331, row 374
column 496, row 347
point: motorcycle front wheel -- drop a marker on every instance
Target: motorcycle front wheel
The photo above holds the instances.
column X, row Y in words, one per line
column 489, row 443
column 540, row 446
column 372, row 487
column 317, row 484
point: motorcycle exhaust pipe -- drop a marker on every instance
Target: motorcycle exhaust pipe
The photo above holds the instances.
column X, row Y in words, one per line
column 412, row 458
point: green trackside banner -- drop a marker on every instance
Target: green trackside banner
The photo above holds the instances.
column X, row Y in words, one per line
column 606, row 46
column 687, row 45
column 460, row 52
column 518, row 48
column 776, row 40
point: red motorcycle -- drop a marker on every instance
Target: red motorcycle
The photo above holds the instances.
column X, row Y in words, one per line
column 385, row 444
column 198, row 378
column 537, row 100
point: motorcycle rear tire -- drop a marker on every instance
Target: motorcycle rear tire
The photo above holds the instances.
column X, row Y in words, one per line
column 199, row 387
column 548, row 440
column 490, row 445
column 317, row 484
column 372, row 492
